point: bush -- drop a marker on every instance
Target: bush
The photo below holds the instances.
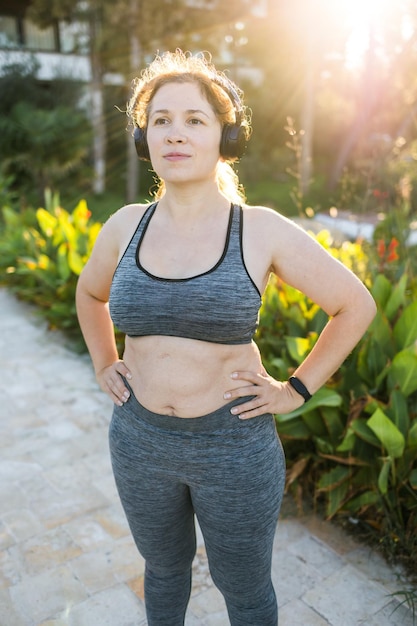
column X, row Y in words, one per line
column 42, row 255
column 353, row 447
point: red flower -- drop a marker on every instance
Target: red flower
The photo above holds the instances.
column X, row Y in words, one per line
column 392, row 250
column 381, row 248
column 388, row 254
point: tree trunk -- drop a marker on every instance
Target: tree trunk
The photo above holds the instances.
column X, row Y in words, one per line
column 97, row 106
column 133, row 164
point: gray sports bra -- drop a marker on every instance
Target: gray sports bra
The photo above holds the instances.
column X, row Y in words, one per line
column 220, row 305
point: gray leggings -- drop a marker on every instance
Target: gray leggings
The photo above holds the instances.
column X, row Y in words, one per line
column 230, row 474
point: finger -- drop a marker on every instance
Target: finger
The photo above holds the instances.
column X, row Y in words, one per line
column 245, row 415
column 117, row 389
column 252, row 377
column 248, row 409
column 241, row 392
column 122, row 369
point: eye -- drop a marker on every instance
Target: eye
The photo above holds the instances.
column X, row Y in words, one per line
column 160, row 121
column 195, row 121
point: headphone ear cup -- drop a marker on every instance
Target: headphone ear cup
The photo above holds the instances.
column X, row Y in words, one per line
column 233, row 141
column 142, row 150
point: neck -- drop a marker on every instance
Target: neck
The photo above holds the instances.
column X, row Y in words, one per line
column 192, row 201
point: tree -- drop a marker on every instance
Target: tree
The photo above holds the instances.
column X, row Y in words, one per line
column 44, row 137
column 122, row 33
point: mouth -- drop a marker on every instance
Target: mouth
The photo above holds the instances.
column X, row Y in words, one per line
column 176, row 156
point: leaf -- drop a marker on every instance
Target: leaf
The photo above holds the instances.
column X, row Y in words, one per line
column 333, row 420
column 335, row 499
column 391, row 438
column 75, row 262
column 381, row 290
column 298, row 347
column 62, row 261
column 330, row 480
column 405, row 330
column 403, row 372
column 348, row 442
column 314, row 422
column 413, row 478
column 380, row 330
column 323, row 397
column 362, row 430
column 399, row 411
column 364, row 500
column 296, row 470
column 412, row 435
column 384, row 476
column 47, row 222
column 292, row 429
column 397, row 297
column 350, row 460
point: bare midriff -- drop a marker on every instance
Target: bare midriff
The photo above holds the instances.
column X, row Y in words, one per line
column 185, row 377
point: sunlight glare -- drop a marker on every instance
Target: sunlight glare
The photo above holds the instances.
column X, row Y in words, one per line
column 360, row 16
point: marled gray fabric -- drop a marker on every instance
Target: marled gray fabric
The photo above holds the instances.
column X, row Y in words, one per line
column 220, row 305
column 228, row 472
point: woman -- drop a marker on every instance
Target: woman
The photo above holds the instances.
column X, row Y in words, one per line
column 192, row 431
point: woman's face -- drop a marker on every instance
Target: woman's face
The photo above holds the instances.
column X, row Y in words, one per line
column 183, row 134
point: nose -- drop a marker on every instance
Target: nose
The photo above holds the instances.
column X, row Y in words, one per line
column 175, row 135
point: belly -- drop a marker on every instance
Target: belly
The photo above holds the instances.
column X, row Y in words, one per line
column 184, row 377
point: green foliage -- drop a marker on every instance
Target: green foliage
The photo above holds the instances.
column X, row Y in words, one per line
column 42, row 255
column 45, row 137
column 354, row 445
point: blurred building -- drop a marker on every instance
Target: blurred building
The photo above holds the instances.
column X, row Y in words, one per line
column 60, row 50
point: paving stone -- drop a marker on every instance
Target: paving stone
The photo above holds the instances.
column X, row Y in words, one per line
column 374, row 567
column 12, row 497
column 393, row 614
column 66, row 554
column 117, row 606
column 358, row 598
column 11, row 566
column 292, row 576
column 13, row 471
column 204, row 602
column 6, row 537
column 47, row 595
column 48, row 549
column 8, row 615
column 288, row 531
column 87, row 533
column 297, row 613
column 113, row 520
column 22, row 524
column 94, row 571
column 320, row 556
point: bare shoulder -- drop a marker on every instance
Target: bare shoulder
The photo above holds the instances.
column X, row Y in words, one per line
column 275, row 230
column 121, row 225
column 125, row 216
column 264, row 217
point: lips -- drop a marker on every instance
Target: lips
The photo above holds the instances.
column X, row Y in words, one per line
column 176, row 156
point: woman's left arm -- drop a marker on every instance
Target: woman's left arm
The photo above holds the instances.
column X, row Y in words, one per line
column 303, row 263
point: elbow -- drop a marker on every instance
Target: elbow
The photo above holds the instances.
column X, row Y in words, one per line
column 368, row 308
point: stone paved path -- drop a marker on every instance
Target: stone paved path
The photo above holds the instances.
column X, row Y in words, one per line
column 67, row 558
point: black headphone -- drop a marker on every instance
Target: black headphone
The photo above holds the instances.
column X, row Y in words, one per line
column 233, row 139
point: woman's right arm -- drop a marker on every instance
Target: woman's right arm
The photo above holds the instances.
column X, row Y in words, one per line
column 92, row 302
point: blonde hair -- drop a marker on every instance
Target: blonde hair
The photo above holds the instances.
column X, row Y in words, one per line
column 181, row 67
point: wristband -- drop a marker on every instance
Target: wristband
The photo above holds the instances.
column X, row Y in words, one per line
column 300, row 388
